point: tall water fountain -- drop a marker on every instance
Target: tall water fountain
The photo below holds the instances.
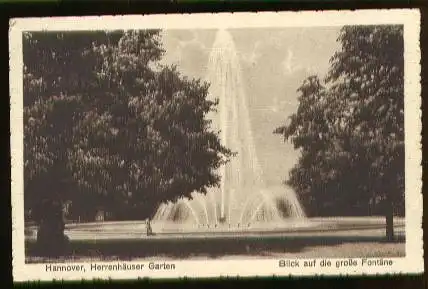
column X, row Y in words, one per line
column 242, row 200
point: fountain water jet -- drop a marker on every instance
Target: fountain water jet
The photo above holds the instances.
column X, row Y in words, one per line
column 242, row 197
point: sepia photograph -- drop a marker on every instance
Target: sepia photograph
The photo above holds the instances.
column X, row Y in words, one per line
column 143, row 150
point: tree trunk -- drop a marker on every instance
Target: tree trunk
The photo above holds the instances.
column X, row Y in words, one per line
column 51, row 240
column 389, row 214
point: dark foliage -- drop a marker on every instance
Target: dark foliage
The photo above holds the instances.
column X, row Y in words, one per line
column 350, row 129
column 107, row 127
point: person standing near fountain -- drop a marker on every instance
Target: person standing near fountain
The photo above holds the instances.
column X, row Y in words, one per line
column 149, row 228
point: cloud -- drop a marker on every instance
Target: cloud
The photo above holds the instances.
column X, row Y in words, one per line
column 289, row 65
column 197, row 53
column 288, row 62
column 254, row 55
column 193, row 41
column 183, row 45
column 282, row 105
column 187, row 51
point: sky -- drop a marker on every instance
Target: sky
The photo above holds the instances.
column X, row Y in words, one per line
column 274, row 63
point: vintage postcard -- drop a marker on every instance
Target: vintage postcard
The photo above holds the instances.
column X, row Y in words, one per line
column 208, row 145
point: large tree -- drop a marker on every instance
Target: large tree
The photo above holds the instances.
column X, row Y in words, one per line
column 106, row 126
column 350, row 129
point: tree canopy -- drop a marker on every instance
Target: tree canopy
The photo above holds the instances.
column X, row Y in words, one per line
column 106, row 126
column 350, row 127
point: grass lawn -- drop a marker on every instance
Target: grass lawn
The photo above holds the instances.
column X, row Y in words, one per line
column 251, row 250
